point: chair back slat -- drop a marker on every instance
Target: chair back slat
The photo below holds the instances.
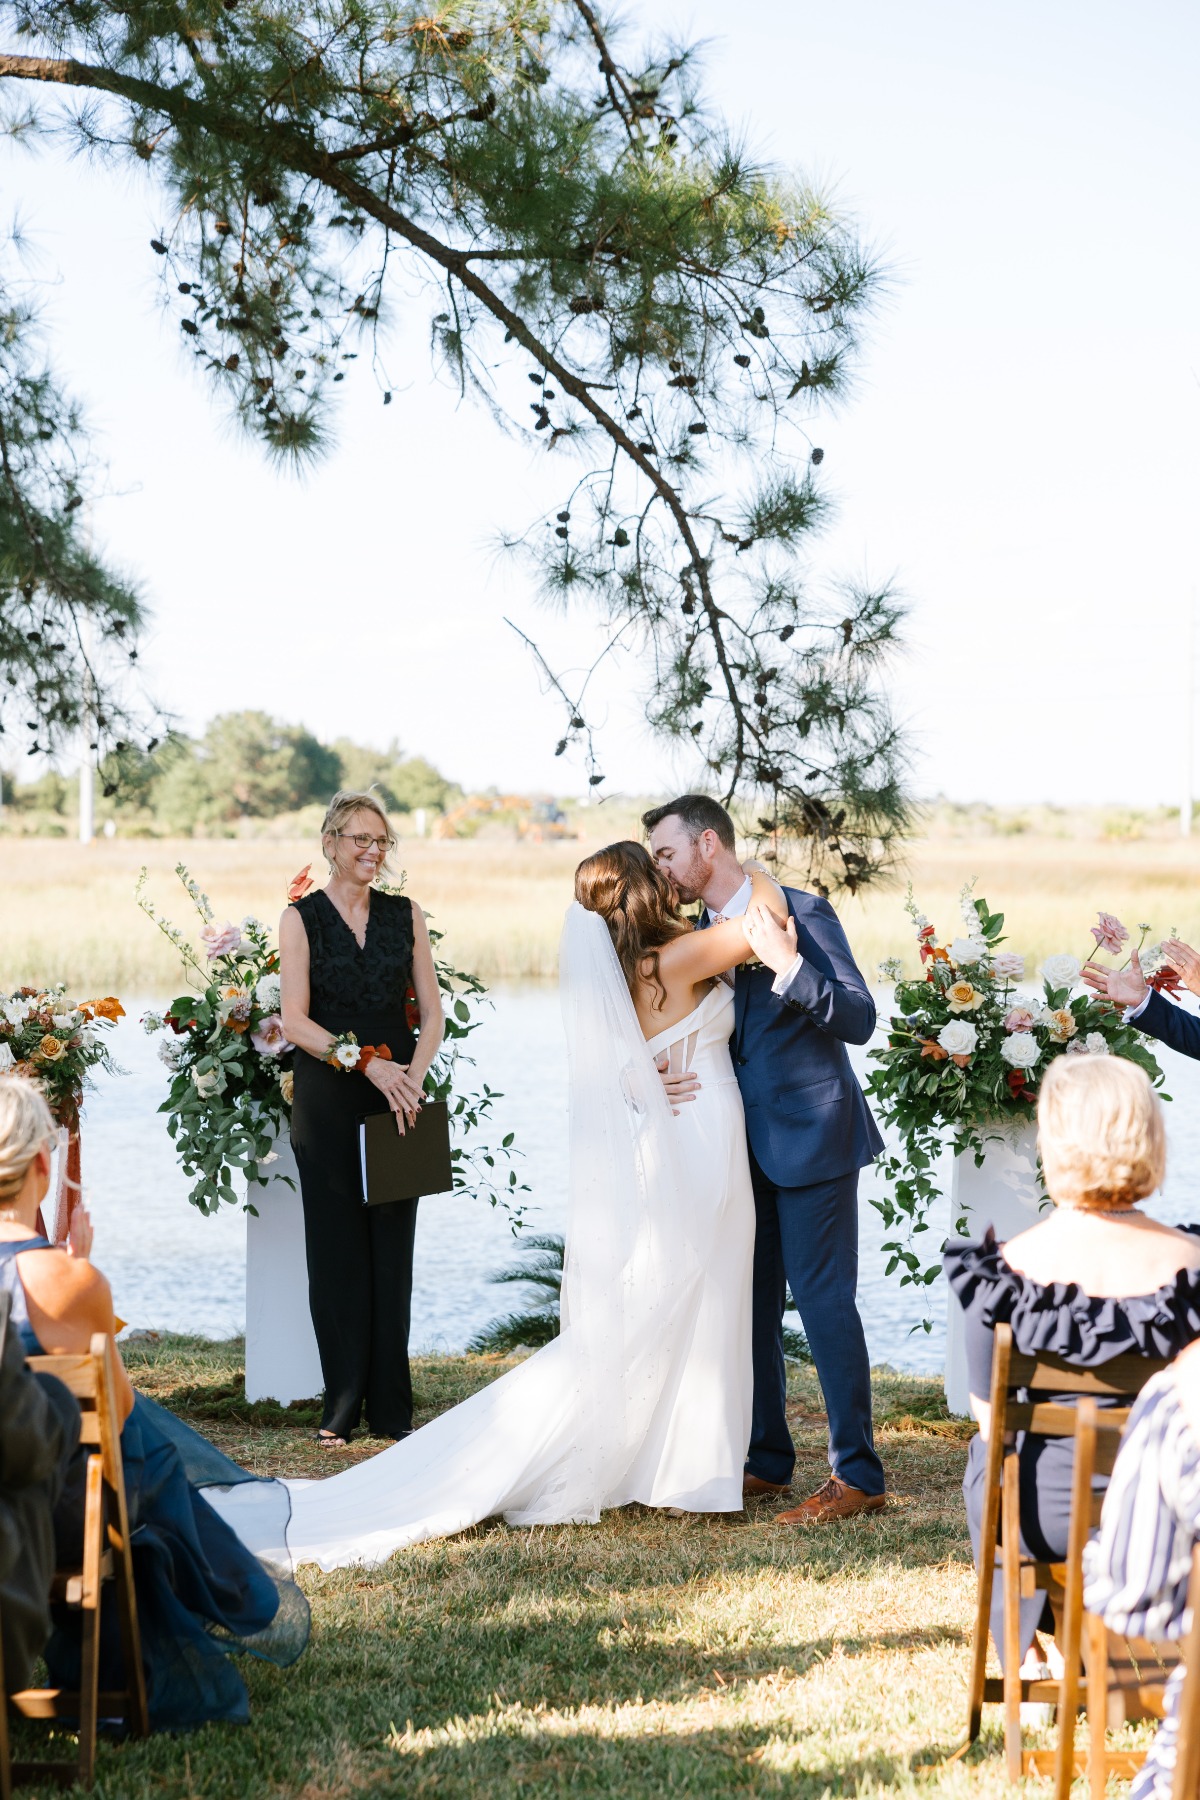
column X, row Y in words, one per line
column 1124, row 1375
column 78, row 1373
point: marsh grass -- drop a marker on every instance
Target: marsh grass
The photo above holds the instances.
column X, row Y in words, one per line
column 642, row 1657
column 67, row 910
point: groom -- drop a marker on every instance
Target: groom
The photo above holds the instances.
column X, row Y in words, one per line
column 810, row 1132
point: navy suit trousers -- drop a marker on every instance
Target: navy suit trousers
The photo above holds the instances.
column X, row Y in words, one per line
column 807, row 1239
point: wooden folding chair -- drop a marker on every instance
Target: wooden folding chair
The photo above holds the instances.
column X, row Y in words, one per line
column 1126, row 1677
column 106, row 1557
column 1012, row 1376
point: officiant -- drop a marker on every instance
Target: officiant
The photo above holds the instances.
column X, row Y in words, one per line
column 349, row 956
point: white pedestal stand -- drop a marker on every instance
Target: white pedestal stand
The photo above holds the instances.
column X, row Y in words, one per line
column 281, row 1349
column 1003, row 1193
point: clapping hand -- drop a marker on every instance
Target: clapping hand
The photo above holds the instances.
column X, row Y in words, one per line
column 1185, row 961
column 1124, row 987
column 401, row 1090
column 80, row 1235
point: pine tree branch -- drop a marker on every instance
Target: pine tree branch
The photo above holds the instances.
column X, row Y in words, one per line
column 182, row 107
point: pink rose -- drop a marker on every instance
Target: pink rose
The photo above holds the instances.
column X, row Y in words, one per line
column 268, row 1038
column 1019, row 1019
column 1109, row 934
column 219, row 940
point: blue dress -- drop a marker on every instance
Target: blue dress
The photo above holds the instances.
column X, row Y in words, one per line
column 201, row 1593
column 1060, row 1320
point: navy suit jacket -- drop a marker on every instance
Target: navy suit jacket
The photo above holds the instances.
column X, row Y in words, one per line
column 806, row 1117
column 1170, row 1024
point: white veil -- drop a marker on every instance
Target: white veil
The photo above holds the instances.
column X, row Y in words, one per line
column 631, row 1265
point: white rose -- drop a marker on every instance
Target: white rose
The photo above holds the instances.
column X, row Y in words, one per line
column 347, row 1055
column 267, row 993
column 170, row 1052
column 1096, row 1044
column 64, row 1023
column 958, row 1038
column 211, row 1082
column 1008, row 966
column 1061, row 971
column 1020, row 1050
column 7, row 1059
column 966, row 951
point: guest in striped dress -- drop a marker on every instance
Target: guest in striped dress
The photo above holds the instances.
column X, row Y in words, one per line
column 1137, row 1569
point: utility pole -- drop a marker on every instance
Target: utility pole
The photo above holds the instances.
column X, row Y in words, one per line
column 1189, row 728
column 87, row 770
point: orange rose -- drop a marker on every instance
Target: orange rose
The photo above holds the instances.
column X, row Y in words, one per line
column 933, row 1050
column 109, row 1008
column 51, row 1049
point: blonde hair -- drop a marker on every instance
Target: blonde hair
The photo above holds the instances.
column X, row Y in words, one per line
column 26, row 1125
column 342, row 808
column 1100, row 1132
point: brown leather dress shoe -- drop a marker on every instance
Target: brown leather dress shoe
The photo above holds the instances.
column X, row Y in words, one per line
column 835, row 1500
column 753, row 1487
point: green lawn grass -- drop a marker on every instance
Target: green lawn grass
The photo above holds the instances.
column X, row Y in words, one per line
column 645, row 1656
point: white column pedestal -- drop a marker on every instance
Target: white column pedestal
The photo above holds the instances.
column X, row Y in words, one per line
column 1003, row 1193
column 281, row 1348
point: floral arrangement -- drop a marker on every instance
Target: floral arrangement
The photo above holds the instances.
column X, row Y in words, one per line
column 57, row 1043
column 967, row 1048
column 231, row 1063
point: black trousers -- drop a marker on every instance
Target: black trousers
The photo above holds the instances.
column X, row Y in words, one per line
column 360, row 1274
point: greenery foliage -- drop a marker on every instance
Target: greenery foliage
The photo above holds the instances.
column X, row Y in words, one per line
column 245, row 765
column 577, row 216
column 542, row 1270
column 65, row 618
column 965, row 1054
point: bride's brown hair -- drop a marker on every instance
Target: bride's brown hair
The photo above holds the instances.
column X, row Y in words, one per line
column 625, row 886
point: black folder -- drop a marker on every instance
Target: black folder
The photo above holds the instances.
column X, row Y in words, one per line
column 403, row 1168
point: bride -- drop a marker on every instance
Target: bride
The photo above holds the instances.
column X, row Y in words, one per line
column 645, row 1394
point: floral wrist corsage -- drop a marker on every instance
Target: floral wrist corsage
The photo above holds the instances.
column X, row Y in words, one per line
column 347, row 1054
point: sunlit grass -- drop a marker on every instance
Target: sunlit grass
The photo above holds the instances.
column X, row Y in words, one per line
column 67, row 911
column 646, row 1656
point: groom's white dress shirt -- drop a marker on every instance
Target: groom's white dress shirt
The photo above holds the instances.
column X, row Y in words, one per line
column 736, row 908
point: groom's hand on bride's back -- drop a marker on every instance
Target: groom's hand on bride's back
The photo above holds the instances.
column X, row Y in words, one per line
column 681, row 1084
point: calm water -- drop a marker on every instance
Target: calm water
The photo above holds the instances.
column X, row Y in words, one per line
column 173, row 1269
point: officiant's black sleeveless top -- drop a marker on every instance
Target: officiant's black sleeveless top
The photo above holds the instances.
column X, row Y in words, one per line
column 351, row 989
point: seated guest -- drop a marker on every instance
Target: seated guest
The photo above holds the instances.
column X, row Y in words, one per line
column 1093, row 1280
column 1136, row 1572
column 200, row 1592
column 39, row 1429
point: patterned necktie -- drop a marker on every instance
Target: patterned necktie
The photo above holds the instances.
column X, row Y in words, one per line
column 726, row 975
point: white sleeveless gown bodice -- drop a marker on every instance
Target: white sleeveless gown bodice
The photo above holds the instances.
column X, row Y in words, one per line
column 644, row 1396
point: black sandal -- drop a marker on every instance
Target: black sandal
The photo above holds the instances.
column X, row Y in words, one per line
column 329, row 1440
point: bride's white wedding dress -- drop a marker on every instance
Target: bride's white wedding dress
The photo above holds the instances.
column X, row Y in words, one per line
column 645, row 1395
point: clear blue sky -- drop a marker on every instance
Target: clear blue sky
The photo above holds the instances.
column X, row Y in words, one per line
column 1022, row 451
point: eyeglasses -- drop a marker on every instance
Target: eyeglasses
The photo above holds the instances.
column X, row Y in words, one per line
column 364, row 841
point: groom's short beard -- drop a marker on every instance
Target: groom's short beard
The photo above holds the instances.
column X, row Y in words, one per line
column 689, row 883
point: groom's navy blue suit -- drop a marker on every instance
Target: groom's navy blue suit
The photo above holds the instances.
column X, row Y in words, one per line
column 810, row 1132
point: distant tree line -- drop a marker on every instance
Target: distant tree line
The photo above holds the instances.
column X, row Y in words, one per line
column 246, row 765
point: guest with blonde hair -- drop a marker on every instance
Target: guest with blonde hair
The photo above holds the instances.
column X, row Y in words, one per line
column 1095, row 1279
column 202, row 1594
column 349, row 955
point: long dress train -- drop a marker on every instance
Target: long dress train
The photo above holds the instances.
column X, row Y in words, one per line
column 646, row 1393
